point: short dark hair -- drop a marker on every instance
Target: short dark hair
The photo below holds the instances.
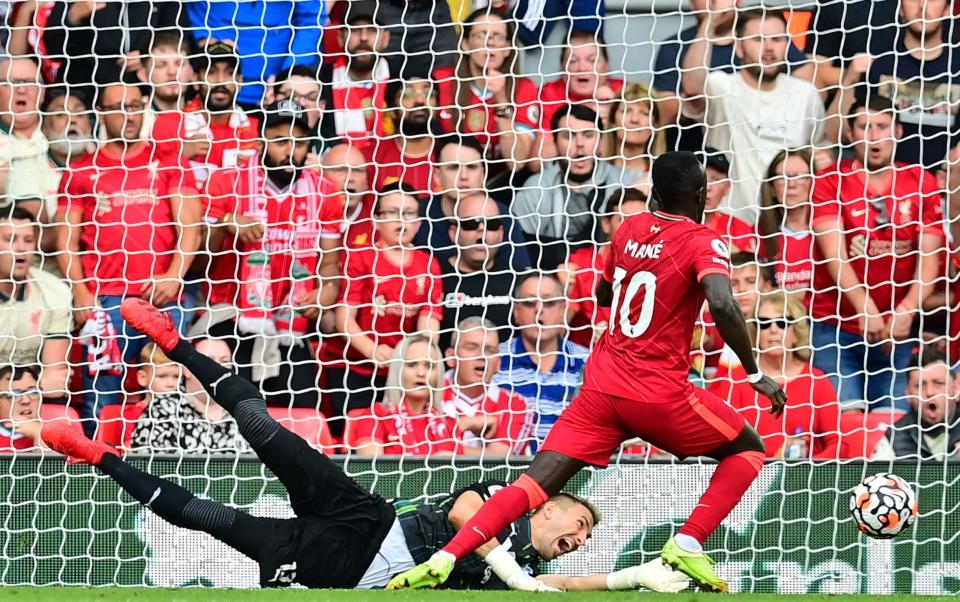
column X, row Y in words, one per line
column 17, row 372
column 395, row 86
column 394, row 187
column 460, row 140
column 16, row 212
column 621, row 196
column 56, row 92
column 927, row 356
column 308, row 71
column 873, row 103
column 577, row 111
column 756, row 14
column 677, row 178
column 127, row 79
column 742, row 259
column 589, row 36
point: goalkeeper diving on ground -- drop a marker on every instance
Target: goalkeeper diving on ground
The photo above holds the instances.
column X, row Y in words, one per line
column 344, row 536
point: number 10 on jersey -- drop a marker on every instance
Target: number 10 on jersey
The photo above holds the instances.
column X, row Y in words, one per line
column 620, row 313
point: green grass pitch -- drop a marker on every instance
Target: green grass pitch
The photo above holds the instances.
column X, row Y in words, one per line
column 77, row 594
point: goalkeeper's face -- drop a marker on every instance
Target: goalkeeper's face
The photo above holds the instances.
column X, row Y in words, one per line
column 559, row 528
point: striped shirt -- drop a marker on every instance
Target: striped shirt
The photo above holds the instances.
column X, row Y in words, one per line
column 547, row 394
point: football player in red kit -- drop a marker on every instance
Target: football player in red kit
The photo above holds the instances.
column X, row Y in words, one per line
column 661, row 267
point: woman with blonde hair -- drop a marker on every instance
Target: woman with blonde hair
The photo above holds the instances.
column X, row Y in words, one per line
column 786, row 235
column 410, row 419
column 811, row 419
column 633, row 139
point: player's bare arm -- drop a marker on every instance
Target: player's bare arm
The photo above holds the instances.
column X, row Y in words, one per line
column 729, row 319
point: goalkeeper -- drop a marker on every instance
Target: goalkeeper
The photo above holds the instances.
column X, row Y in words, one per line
column 344, row 536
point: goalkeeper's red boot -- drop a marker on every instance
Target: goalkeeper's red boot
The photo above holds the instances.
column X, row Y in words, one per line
column 68, row 440
column 152, row 322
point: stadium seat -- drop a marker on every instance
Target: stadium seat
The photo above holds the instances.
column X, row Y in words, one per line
column 860, row 433
column 308, row 424
column 117, row 423
column 355, row 418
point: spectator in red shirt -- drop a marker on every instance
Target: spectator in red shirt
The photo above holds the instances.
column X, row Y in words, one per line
column 737, row 234
column 409, row 420
column 878, row 227
column 391, row 289
column 491, row 421
column 19, row 410
column 634, row 138
column 130, row 231
column 585, row 80
column 407, row 153
column 355, row 82
column 345, row 166
column 583, row 270
column 276, row 237
column 812, row 414
column 211, row 131
column 484, row 97
column 786, row 237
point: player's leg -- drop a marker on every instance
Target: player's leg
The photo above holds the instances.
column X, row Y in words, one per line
column 167, row 500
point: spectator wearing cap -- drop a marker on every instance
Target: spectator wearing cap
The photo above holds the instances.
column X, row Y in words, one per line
column 671, row 53
column 99, row 41
column 558, row 207
column 460, row 171
column 786, row 236
column 275, row 234
column 878, row 229
column 355, row 83
column 756, row 111
column 128, row 232
column 270, row 37
column 736, row 233
column 391, row 290
column 406, row 154
column 211, row 131
column 483, row 96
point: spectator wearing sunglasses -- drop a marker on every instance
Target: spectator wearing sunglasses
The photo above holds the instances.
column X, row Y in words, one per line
column 878, row 227
column 477, row 278
column 19, row 409
column 812, row 415
column 540, row 363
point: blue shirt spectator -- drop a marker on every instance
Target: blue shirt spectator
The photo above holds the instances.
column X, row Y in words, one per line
column 539, row 363
column 271, row 36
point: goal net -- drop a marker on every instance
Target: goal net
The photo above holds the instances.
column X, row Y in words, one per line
column 392, row 218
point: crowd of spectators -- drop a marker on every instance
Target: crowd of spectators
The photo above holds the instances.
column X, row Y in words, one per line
column 368, row 210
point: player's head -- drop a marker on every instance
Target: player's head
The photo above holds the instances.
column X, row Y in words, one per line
column 873, row 129
column 562, row 525
column 539, row 310
column 621, row 204
column 748, row 279
column 679, row 185
column 168, row 66
column 932, row 387
column 157, row 373
column 782, row 327
column 416, row 373
column 717, row 169
column 19, row 393
column 216, row 349
column 474, row 352
column 19, row 232
column 478, row 231
column 396, row 213
column 762, row 41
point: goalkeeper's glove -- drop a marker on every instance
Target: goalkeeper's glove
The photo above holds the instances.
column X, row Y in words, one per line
column 503, row 564
column 654, row 576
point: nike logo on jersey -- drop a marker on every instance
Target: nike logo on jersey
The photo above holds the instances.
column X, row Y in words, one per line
column 480, row 533
column 857, row 212
column 153, row 497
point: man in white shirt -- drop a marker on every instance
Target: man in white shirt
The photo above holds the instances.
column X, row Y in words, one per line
column 757, row 111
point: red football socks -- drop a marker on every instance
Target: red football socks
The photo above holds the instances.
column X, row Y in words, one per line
column 506, row 506
column 727, row 486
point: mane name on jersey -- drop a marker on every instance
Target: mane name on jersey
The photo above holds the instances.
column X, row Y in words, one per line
column 643, row 250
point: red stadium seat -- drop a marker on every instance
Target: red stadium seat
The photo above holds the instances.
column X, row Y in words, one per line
column 309, row 424
column 860, row 433
column 117, row 423
column 355, row 418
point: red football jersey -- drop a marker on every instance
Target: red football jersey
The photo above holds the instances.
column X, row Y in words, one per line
column 401, row 432
column 128, row 231
column 509, row 408
column 295, row 222
column 389, row 298
column 479, row 116
column 387, row 163
column 555, row 94
column 13, row 442
column 794, row 263
column 655, row 264
column 881, row 232
column 590, row 262
column 736, row 233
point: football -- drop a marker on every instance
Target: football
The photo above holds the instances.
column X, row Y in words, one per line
column 884, row 505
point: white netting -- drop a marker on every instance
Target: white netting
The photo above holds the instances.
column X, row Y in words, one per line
column 318, row 191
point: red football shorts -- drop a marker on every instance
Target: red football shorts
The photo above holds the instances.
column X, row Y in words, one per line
column 592, row 428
